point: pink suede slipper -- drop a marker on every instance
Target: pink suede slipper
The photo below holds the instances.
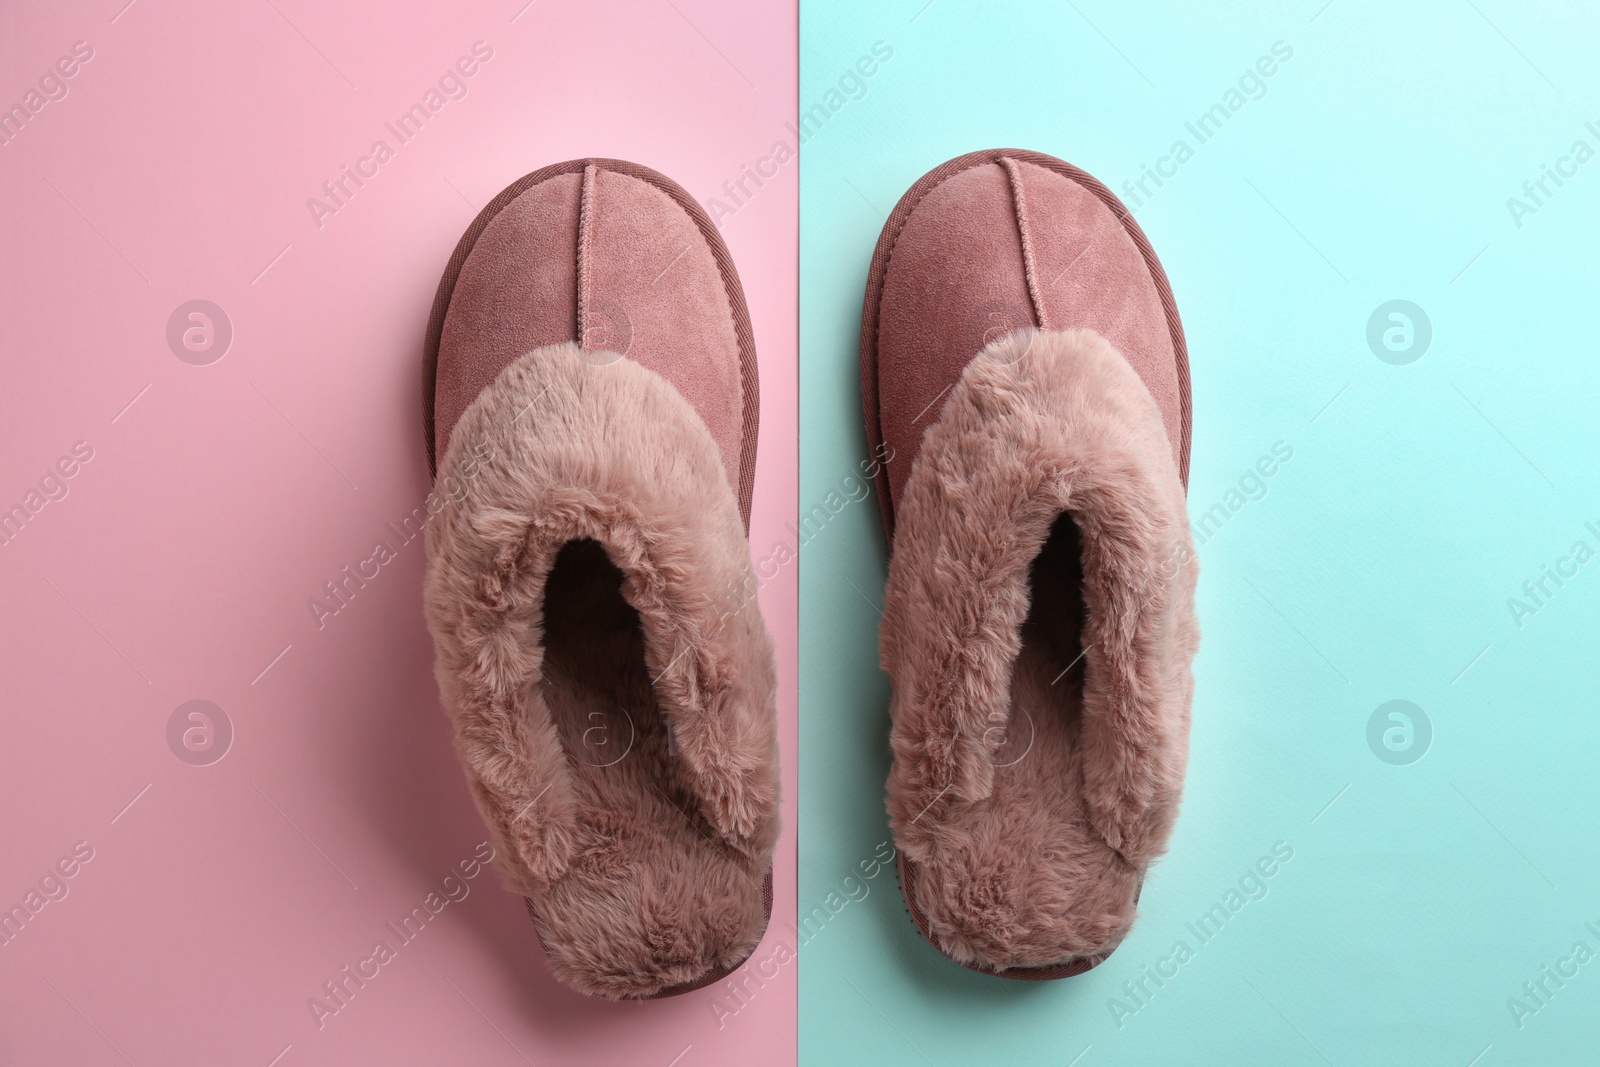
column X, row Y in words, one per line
column 590, row 402
column 1023, row 368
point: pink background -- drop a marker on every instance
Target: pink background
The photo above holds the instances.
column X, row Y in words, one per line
column 180, row 562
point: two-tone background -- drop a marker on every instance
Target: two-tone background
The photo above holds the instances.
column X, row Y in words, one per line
column 1384, row 254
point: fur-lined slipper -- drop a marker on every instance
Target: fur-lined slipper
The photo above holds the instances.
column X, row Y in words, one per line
column 1025, row 380
column 591, row 388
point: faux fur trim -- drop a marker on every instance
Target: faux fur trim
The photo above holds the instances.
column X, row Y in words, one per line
column 567, row 445
column 1041, row 424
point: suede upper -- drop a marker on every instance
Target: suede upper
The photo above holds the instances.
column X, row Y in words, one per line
column 612, row 256
column 1024, row 373
column 591, row 405
column 992, row 242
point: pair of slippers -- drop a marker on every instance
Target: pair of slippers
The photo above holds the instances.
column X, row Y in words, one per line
column 591, row 412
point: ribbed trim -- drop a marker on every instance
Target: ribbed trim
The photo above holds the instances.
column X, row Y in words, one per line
column 585, row 239
column 1025, row 233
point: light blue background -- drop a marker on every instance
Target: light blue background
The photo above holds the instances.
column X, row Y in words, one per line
column 1378, row 565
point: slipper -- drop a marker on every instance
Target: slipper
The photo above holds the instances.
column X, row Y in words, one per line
column 590, row 406
column 1024, row 376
